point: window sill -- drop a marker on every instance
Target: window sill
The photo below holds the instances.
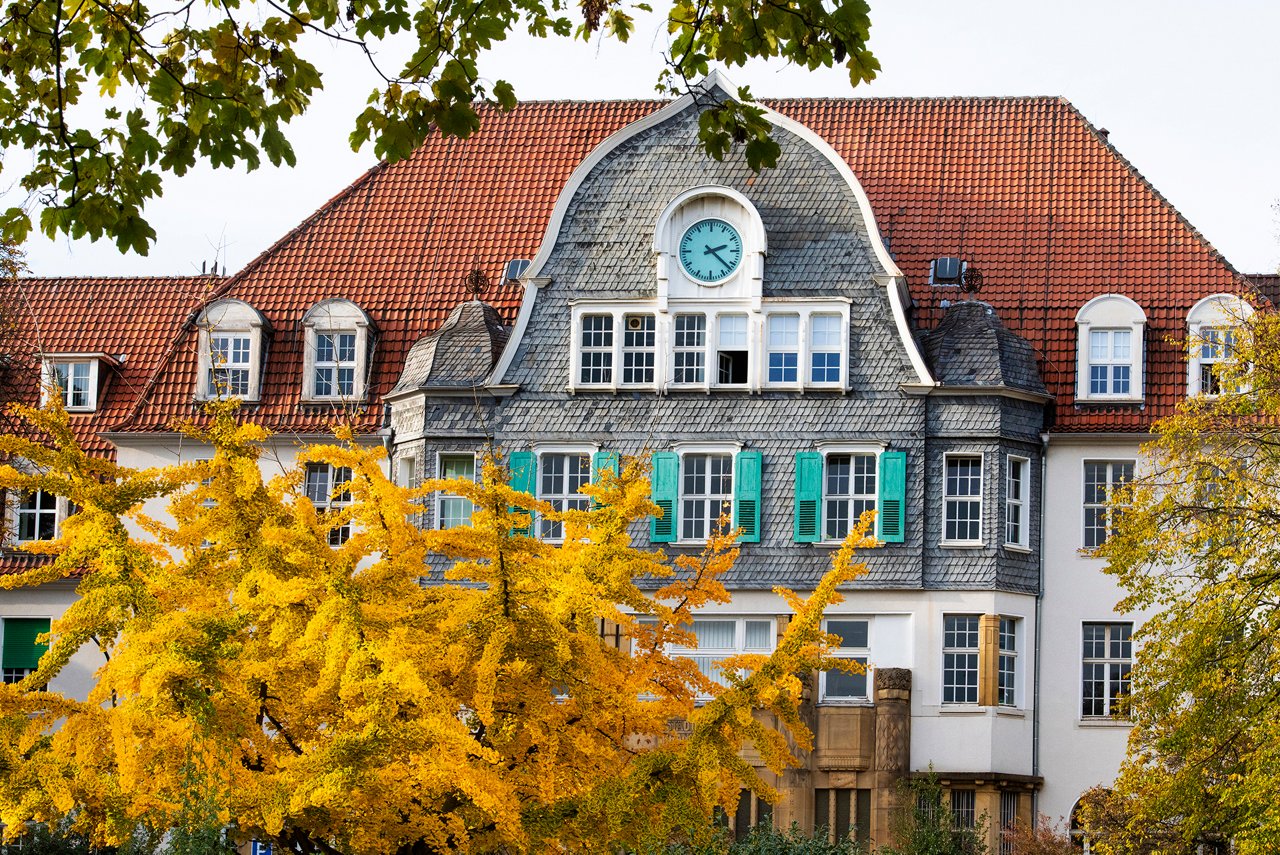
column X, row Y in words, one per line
column 846, row 703
column 1018, row 547
column 961, row 544
column 333, row 399
column 961, row 709
column 1102, row 400
column 1011, row 712
column 1104, row 723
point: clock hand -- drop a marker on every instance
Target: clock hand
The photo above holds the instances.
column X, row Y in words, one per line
column 714, row 251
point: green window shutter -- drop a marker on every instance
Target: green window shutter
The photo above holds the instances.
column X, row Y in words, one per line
column 891, row 519
column 604, row 461
column 746, row 495
column 523, row 466
column 666, row 490
column 20, row 648
column 808, row 516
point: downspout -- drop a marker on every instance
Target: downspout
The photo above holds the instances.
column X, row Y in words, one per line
column 1035, row 712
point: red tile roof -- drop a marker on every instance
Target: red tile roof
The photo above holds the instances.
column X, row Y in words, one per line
column 1024, row 189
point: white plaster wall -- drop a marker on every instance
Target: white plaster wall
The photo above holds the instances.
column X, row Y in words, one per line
column 907, row 633
column 50, row 601
column 1075, row 754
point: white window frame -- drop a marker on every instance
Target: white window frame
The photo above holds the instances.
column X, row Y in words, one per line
column 795, row 349
column 544, row 451
column 757, row 314
column 828, row 451
column 335, row 317
column 61, row 510
column 1106, row 660
column 715, row 347
column 229, row 318
column 740, row 642
column 860, row 654
column 961, row 651
column 1216, row 312
column 338, row 535
column 704, row 350
column 442, row 497
column 1008, row 661
column 698, row 450
column 1109, row 313
column 49, row 379
column 1111, row 484
column 1108, row 361
column 605, row 353
column 947, row 498
column 625, row 351
column 1022, row 503
column 841, row 351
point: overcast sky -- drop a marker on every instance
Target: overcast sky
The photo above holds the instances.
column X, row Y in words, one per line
column 1189, row 89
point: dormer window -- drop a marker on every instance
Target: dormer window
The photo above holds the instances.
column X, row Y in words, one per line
column 335, row 364
column 230, row 350
column 74, row 378
column 1109, row 363
column 1211, row 333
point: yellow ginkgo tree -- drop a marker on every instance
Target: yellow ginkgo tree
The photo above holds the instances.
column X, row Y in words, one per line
column 331, row 699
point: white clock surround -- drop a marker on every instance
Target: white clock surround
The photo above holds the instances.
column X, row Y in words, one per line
column 692, row 206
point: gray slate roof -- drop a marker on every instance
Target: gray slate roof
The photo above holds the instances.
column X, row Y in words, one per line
column 971, row 347
column 461, row 353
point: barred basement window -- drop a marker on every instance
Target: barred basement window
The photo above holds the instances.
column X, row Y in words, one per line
column 843, row 813
column 964, row 808
column 1008, row 820
column 960, row 659
column 752, row 811
column 596, row 355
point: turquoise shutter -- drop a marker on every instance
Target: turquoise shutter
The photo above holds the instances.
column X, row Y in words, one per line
column 604, row 461
column 523, row 466
column 666, row 490
column 746, row 495
column 20, row 648
column 808, row 517
column 891, row 520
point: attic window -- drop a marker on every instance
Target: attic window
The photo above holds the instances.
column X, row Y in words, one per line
column 74, row 377
column 946, row 271
column 1109, row 350
column 335, row 364
column 1211, row 334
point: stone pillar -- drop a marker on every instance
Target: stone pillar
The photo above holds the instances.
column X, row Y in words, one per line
column 893, row 746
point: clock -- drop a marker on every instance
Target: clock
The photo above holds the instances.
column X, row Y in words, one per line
column 710, row 250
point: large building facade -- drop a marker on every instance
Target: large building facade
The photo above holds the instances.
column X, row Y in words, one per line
column 960, row 313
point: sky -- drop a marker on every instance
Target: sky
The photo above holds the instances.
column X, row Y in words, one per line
column 1189, row 90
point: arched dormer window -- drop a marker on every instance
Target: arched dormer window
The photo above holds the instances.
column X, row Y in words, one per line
column 1109, row 359
column 1211, row 326
column 231, row 350
column 336, row 361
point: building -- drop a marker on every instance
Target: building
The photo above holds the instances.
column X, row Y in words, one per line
column 963, row 313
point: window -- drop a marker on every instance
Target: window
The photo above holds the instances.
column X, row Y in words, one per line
column 1107, row 659
column 718, row 638
column 638, row 350
column 826, row 334
column 1217, row 347
column 229, row 368
column 960, row 659
column 840, row 685
column 596, row 353
column 964, row 812
column 849, row 488
column 690, row 349
column 731, row 351
column 1007, row 668
column 1101, row 477
column 706, row 492
column 19, row 652
column 76, row 383
column 962, row 517
column 752, row 811
column 560, row 476
column 453, row 510
column 335, row 367
column 1008, row 820
column 784, row 348
column 325, row 486
column 1110, row 348
column 37, row 516
column 843, row 812
column 1015, row 502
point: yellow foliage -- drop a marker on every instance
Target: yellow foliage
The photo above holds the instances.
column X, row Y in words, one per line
column 325, row 694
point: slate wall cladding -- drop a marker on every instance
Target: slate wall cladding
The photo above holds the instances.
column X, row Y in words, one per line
column 817, row 247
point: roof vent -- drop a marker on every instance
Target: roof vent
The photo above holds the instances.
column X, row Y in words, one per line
column 515, row 269
column 946, row 271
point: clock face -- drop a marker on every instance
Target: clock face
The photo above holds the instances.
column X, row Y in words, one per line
column 710, row 250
